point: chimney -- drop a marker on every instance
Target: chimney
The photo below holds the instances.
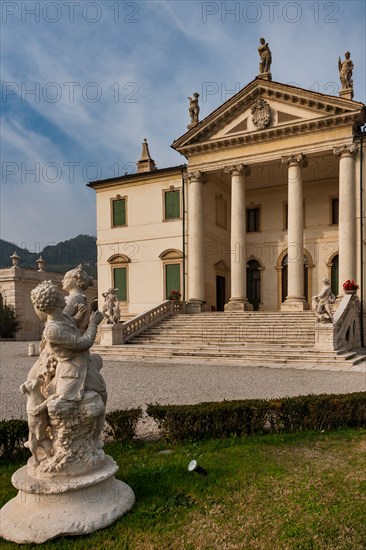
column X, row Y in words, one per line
column 146, row 163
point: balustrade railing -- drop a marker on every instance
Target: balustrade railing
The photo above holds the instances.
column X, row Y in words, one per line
column 145, row 320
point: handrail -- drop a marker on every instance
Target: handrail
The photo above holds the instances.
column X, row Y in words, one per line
column 145, row 320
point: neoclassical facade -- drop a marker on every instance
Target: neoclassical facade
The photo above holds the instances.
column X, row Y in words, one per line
column 268, row 202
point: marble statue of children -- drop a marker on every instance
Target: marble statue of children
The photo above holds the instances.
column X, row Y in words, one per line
column 75, row 282
column 65, row 341
column 37, row 417
column 111, row 309
column 323, row 301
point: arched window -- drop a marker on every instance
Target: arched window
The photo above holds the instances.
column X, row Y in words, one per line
column 119, row 275
column 172, row 271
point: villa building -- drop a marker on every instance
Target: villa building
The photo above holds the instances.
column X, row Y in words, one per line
column 267, row 206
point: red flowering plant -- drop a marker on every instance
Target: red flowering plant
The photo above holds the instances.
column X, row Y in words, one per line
column 175, row 295
column 350, row 285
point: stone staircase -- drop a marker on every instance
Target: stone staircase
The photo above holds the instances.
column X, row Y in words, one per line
column 253, row 338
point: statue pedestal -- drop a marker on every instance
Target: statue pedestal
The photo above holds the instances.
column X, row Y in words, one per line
column 111, row 335
column 347, row 93
column 64, row 505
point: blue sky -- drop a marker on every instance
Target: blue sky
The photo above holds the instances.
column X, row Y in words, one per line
column 84, row 82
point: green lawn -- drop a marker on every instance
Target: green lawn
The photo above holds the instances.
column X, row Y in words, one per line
column 289, row 491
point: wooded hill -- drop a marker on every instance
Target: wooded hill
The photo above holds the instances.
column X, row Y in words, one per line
column 59, row 257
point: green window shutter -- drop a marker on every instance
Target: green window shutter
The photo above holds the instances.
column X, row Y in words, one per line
column 172, row 278
column 120, row 282
column 119, row 212
column 172, row 205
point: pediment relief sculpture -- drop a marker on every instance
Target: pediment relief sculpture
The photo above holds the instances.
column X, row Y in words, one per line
column 261, row 113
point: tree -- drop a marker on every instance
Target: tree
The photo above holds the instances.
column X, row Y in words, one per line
column 8, row 321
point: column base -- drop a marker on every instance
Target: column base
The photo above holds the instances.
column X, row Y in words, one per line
column 194, row 306
column 295, row 304
column 238, row 305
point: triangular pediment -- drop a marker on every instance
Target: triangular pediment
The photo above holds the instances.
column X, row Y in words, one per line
column 268, row 108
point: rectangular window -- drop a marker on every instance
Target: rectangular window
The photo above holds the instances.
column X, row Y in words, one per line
column 252, row 220
column 118, row 212
column 172, row 278
column 335, row 211
column 120, row 282
column 172, row 205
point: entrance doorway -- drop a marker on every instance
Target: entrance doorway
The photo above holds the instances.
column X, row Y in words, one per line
column 254, row 283
column 285, row 278
column 220, row 292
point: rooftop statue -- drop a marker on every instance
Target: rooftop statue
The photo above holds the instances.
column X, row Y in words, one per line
column 266, row 57
column 345, row 71
column 194, row 109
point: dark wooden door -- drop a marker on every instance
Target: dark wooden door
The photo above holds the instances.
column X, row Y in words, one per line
column 220, row 292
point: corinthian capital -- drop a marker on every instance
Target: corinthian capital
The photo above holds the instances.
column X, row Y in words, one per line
column 197, row 176
column 294, row 160
column 346, row 150
column 238, row 170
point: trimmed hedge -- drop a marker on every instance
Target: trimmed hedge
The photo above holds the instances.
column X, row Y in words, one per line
column 257, row 416
column 13, row 435
column 122, row 423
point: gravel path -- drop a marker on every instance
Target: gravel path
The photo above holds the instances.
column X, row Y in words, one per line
column 135, row 383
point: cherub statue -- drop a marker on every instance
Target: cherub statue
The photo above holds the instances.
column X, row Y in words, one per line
column 194, row 108
column 37, row 417
column 345, row 71
column 110, row 308
column 74, row 282
column 323, row 302
column 266, row 57
column 68, row 376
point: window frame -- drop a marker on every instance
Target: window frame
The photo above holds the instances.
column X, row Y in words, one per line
column 332, row 198
column 253, row 207
column 171, row 189
column 112, row 201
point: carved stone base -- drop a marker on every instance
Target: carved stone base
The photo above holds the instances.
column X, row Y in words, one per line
column 111, row 335
column 324, row 337
column 293, row 304
column 236, row 305
column 264, row 76
column 194, row 306
column 75, row 505
column 346, row 94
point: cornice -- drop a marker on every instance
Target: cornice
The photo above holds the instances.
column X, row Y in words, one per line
column 277, row 132
column 329, row 105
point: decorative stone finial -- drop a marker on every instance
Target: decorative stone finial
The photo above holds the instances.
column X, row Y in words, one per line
column 194, row 110
column 40, row 263
column 345, row 75
column 15, row 259
column 146, row 163
column 266, row 60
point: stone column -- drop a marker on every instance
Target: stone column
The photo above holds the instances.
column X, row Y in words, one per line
column 196, row 283
column 347, row 215
column 295, row 235
column 238, row 300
